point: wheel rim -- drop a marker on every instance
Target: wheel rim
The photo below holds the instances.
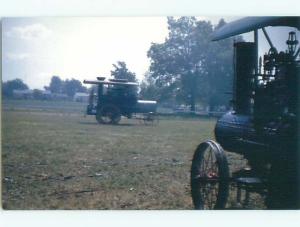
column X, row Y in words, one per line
column 106, row 119
column 208, row 179
column 109, row 115
column 209, row 187
column 106, row 116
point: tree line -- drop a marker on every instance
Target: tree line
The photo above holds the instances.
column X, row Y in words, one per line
column 67, row 87
column 56, row 85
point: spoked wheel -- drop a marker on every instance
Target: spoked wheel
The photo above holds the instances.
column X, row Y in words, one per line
column 150, row 119
column 109, row 114
column 209, row 177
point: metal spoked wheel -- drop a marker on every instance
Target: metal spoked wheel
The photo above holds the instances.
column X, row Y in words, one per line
column 109, row 114
column 209, row 177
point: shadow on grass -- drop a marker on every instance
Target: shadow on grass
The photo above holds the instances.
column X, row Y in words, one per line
column 96, row 123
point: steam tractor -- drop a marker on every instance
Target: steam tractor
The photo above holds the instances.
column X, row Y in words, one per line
column 113, row 98
column 262, row 126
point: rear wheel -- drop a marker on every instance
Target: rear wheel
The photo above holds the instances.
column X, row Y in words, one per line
column 109, row 114
column 209, row 177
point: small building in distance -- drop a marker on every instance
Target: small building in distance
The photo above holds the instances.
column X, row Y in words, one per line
column 81, row 97
column 23, row 94
column 59, row 97
column 42, row 94
column 46, row 94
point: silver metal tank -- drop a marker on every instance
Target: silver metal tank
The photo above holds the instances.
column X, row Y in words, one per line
column 146, row 106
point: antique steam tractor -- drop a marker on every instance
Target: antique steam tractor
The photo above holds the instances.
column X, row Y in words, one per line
column 263, row 125
column 113, row 98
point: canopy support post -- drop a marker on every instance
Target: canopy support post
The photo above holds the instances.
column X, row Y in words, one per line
column 256, row 50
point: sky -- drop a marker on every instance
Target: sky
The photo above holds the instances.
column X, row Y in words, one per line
column 34, row 49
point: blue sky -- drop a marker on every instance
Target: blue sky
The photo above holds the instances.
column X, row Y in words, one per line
column 35, row 49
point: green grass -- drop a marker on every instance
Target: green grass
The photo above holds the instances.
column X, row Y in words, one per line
column 62, row 160
column 44, row 106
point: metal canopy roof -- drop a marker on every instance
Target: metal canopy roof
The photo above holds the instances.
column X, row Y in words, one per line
column 248, row 24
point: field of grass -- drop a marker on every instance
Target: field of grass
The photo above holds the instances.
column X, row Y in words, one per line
column 55, row 158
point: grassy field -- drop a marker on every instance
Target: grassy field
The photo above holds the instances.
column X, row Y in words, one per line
column 55, row 158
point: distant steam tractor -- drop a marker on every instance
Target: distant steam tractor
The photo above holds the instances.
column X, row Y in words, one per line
column 263, row 125
column 114, row 98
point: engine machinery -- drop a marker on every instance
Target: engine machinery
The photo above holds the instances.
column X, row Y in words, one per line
column 113, row 98
column 263, row 123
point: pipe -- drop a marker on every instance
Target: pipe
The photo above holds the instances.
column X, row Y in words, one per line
column 268, row 39
column 256, row 50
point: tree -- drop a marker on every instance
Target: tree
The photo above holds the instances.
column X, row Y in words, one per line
column 55, row 84
column 9, row 86
column 70, row 87
column 121, row 72
column 38, row 94
column 188, row 66
column 174, row 62
column 148, row 89
column 219, row 79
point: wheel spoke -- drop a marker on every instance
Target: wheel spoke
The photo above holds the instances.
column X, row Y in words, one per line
column 208, row 172
column 207, row 159
column 206, row 187
column 202, row 167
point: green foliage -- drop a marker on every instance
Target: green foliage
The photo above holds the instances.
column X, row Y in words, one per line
column 121, row 72
column 123, row 93
column 148, row 89
column 188, row 67
column 9, row 86
column 56, row 84
column 68, row 87
column 37, row 94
